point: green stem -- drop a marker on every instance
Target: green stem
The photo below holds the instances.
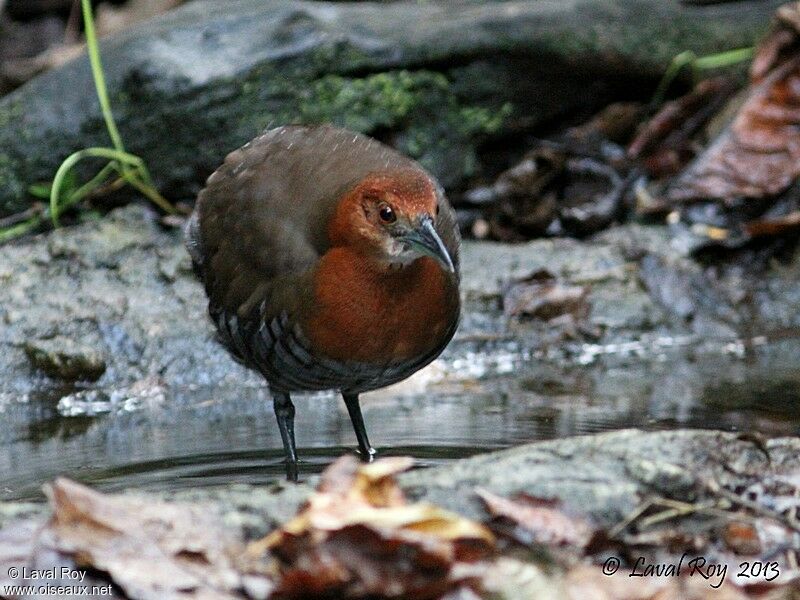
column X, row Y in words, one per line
column 675, row 67
column 131, row 168
column 723, row 59
column 701, row 63
column 152, row 193
column 123, row 158
column 99, row 77
column 88, row 187
column 21, row 228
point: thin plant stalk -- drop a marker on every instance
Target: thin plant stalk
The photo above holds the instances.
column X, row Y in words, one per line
column 99, row 76
column 130, row 167
column 697, row 64
column 20, row 229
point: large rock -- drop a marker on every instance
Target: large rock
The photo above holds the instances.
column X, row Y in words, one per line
column 116, row 299
column 603, row 476
column 119, row 293
column 432, row 78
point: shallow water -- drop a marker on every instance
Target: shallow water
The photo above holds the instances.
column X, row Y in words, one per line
column 202, row 437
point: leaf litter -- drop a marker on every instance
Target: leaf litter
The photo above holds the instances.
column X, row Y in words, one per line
column 359, row 537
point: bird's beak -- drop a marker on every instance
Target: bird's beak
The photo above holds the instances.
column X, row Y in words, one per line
column 426, row 241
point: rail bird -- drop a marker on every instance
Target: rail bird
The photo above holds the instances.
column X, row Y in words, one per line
column 330, row 262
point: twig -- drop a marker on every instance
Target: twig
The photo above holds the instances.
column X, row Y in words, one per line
column 17, row 218
column 675, row 509
column 787, row 519
column 680, row 509
column 635, row 514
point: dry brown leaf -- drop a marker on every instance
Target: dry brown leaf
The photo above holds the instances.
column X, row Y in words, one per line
column 151, row 550
column 664, row 144
column 769, row 227
column 542, row 296
column 357, row 537
column 616, row 123
column 758, row 155
column 544, row 523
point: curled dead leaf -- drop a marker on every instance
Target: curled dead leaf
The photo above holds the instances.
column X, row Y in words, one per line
column 541, row 521
column 358, row 537
column 151, row 550
column 664, row 144
column 542, row 296
column 758, row 155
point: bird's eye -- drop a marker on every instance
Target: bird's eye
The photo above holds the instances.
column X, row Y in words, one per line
column 386, row 213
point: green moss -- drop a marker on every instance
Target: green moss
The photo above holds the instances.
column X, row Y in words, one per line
column 428, row 118
column 380, row 100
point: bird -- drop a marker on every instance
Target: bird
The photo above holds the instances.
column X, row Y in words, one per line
column 330, row 262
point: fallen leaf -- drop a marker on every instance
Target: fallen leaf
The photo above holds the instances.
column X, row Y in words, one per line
column 358, row 537
column 758, row 155
column 542, row 296
column 574, row 185
column 523, row 203
column 151, row 550
column 771, row 227
column 616, row 123
column 664, row 144
column 540, row 520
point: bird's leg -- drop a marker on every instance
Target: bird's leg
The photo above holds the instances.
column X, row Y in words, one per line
column 284, row 412
column 353, row 407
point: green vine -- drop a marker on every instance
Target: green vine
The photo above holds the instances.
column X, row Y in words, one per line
column 123, row 168
column 129, row 167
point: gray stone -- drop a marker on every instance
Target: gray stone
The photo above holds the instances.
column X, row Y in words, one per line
column 116, row 300
column 121, row 287
column 434, row 78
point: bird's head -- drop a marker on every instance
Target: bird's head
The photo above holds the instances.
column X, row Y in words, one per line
column 391, row 217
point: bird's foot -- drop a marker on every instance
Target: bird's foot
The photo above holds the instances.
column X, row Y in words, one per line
column 367, row 455
column 291, row 470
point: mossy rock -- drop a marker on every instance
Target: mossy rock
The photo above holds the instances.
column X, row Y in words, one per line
column 435, row 79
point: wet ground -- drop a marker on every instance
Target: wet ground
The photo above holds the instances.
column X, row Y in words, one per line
column 658, row 347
